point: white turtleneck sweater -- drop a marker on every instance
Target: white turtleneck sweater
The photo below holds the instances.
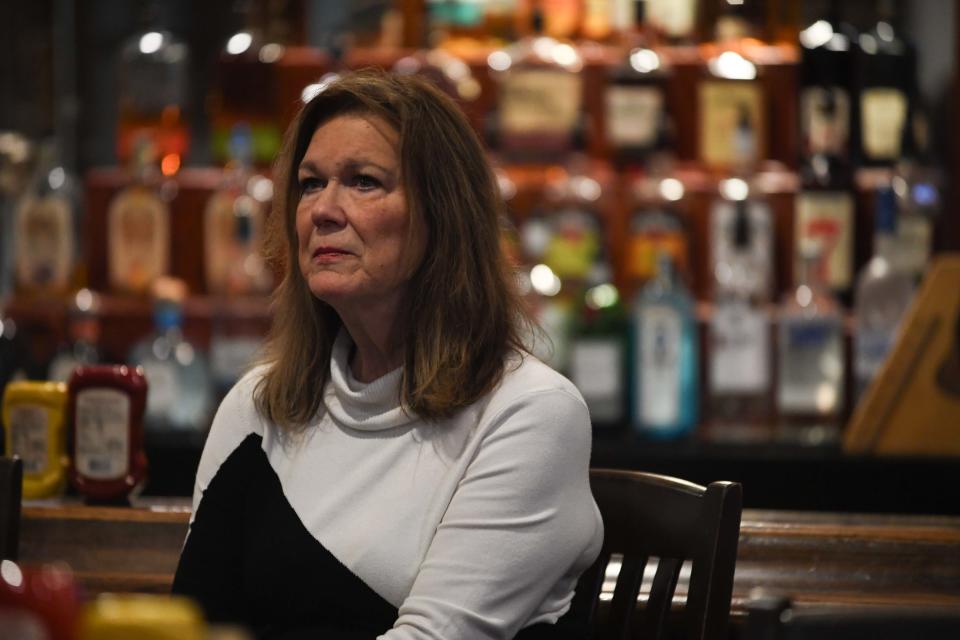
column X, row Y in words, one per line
column 472, row 527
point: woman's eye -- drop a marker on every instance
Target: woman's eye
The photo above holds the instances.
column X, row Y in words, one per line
column 365, row 182
column 308, row 184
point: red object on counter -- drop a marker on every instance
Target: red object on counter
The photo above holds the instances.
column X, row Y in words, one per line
column 106, row 404
column 38, row 601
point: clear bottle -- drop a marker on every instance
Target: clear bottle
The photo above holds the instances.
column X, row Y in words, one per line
column 49, row 228
column 138, row 225
column 599, row 350
column 83, row 336
column 810, row 364
column 539, row 110
column 233, row 224
column 178, row 378
column 739, row 333
column 154, row 69
column 883, row 294
column 665, row 357
column 918, row 183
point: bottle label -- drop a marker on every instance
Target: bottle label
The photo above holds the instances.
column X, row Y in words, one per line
column 746, row 269
column 633, row 116
column 740, row 350
column 811, row 366
column 102, row 433
column 139, row 239
column 883, row 113
column 30, row 436
column 661, row 330
column 560, row 17
column 574, row 244
column 731, row 122
column 676, row 18
column 596, row 367
column 219, row 226
column 646, row 241
column 540, row 102
column 826, row 218
column 45, row 251
column 871, row 349
column 825, row 128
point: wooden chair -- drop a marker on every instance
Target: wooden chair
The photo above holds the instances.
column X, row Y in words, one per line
column 771, row 617
column 11, row 487
column 646, row 516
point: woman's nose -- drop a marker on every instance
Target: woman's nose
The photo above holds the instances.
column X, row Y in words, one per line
column 327, row 209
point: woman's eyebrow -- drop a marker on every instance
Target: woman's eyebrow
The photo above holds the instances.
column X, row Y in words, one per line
column 353, row 164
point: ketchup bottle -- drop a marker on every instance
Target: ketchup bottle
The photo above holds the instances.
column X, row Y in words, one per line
column 106, row 404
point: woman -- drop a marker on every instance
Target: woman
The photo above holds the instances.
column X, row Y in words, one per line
column 399, row 467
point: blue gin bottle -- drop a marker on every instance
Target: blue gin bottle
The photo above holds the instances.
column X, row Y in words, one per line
column 665, row 353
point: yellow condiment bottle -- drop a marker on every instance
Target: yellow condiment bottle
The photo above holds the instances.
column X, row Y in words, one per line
column 36, row 430
column 141, row 616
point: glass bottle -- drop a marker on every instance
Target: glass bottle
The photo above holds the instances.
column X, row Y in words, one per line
column 233, row 224
column 599, row 350
column 138, row 225
column 539, row 96
column 16, row 167
column 247, row 87
column 656, row 226
column 811, row 375
column 827, row 73
column 35, row 415
column 887, row 83
column 83, row 336
column 106, row 445
column 178, row 401
column 154, row 68
column 675, row 21
column 665, row 357
column 636, row 118
column 883, row 293
column 48, row 229
column 739, row 333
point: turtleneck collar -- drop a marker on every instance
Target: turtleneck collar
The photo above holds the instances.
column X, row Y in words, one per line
column 358, row 405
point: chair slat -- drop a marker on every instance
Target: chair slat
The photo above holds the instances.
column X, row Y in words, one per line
column 661, row 597
column 625, row 596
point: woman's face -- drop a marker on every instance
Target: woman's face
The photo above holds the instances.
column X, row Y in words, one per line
column 352, row 219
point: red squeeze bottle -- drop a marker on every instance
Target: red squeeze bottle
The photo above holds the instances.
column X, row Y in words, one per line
column 105, row 404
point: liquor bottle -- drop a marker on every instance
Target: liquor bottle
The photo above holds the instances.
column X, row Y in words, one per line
column 731, row 106
column 887, row 81
column 447, row 71
column 665, row 356
column 883, row 294
column 178, row 402
column 675, row 21
column 233, row 224
column 827, row 79
column 539, row 97
column 106, row 405
column 16, row 169
column 83, row 336
column 154, row 69
column 35, row 415
column 824, row 209
column 138, row 226
column 247, row 87
column 599, row 350
column 48, row 229
column 742, row 241
column 739, row 333
column 811, row 376
column 237, row 335
column 562, row 18
column 656, row 226
column 918, row 183
column 636, row 118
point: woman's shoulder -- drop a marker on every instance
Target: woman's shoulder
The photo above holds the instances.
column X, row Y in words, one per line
column 237, row 417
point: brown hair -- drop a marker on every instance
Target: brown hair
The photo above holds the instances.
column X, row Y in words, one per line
column 462, row 315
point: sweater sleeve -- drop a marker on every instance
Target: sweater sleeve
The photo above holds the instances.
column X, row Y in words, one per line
column 520, row 528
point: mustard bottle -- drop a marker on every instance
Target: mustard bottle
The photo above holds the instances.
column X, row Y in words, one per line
column 36, row 430
column 141, row 616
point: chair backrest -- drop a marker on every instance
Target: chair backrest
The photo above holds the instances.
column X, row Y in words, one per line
column 652, row 516
column 11, row 487
column 775, row 618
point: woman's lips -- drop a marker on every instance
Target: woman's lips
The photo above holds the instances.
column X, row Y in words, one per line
column 329, row 254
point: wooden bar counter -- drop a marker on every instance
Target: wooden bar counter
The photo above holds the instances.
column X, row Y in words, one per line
column 844, row 560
